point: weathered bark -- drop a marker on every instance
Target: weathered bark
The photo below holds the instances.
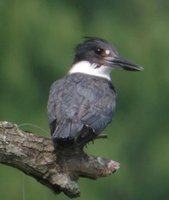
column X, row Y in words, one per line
column 35, row 156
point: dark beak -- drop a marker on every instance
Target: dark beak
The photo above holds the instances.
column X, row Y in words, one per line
column 117, row 62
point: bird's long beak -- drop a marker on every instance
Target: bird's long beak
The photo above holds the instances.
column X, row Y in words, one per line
column 117, row 62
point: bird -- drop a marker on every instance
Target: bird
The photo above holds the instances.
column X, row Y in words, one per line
column 82, row 103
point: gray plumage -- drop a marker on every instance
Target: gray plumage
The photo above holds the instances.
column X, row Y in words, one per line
column 74, row 104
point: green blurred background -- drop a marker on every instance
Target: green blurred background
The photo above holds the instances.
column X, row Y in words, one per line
column 37, row 39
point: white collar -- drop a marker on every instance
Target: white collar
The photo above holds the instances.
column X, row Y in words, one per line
column 86, row 67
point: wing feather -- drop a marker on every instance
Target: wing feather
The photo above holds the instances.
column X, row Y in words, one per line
column 73, row 106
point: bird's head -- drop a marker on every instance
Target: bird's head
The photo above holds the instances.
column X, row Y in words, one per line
column 97, row 56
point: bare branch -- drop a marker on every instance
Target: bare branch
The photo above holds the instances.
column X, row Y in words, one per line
column 35, row 156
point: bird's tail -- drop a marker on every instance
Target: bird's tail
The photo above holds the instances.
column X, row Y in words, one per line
column 67, row 131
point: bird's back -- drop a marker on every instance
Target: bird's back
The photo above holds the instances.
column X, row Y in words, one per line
column 79, row 101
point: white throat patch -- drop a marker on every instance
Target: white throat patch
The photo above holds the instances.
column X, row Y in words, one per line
column 86, row 67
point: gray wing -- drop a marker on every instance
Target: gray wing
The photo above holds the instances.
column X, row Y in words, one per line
column 63, row 106
column 73, row 106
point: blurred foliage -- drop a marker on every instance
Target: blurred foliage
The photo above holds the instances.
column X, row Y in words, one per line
column 36, row 48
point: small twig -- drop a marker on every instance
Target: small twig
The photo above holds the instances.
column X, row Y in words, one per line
column 102, row 136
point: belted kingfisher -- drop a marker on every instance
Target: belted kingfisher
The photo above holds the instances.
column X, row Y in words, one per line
column 82, row 103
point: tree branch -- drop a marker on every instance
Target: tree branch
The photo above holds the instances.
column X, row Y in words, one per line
column 35, row 156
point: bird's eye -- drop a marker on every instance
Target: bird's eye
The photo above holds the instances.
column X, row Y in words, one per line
column 99, row 51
